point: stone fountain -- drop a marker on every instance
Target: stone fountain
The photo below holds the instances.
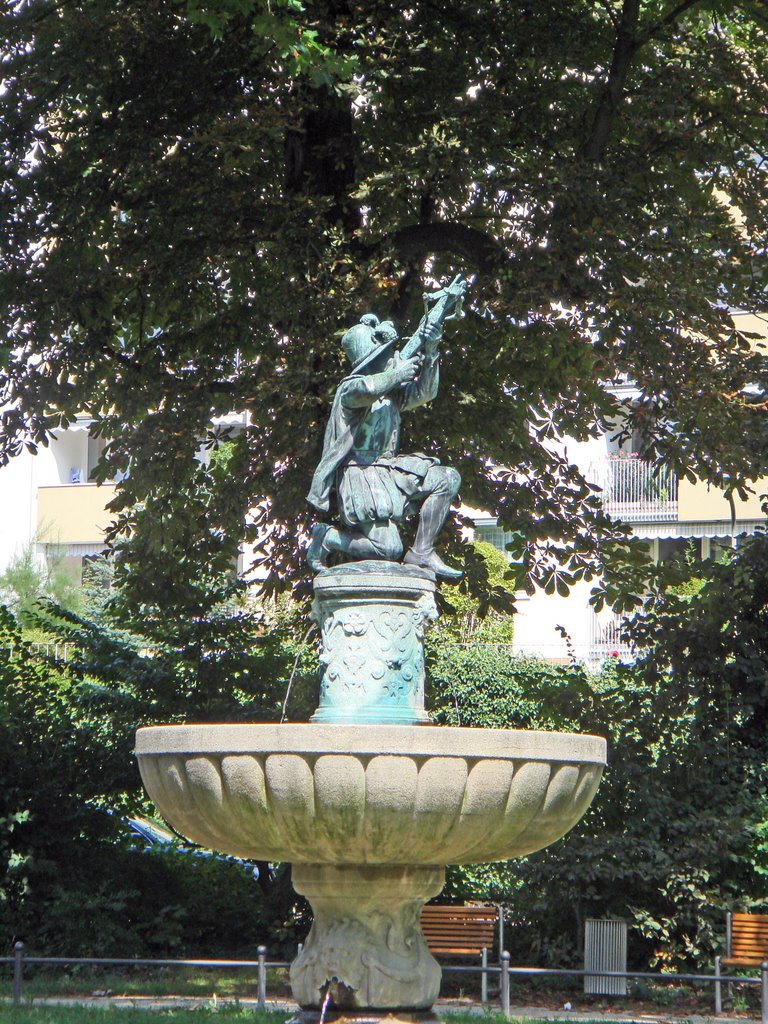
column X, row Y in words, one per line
column 368, row 802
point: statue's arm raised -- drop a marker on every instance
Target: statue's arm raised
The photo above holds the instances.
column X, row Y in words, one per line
column 425, row 339
column 424, row 388
column 364, row 390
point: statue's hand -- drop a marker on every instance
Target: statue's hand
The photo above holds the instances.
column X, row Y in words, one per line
column 431, row 335
column 407, row 369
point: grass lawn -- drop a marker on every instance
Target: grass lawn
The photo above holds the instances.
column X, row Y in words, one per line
column 165, row 981
column 120, row 1015
column 202, row 1015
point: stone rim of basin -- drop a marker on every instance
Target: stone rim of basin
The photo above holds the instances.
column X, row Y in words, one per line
column 370, row 740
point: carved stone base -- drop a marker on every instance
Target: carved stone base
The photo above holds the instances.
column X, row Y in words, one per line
column 366, row 947
column 372, row 616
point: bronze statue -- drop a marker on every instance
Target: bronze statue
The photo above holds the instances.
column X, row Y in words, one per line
column 376, row 486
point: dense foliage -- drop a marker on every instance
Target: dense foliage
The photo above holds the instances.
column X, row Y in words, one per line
column 71, row 880
column 25, row 579
column 199, row 194
column 677, row 833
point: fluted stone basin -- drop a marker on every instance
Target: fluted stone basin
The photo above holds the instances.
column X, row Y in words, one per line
column 368, row 815
column 372, row 794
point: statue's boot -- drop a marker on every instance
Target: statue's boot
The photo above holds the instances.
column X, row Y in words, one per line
column 434, row 512
column 317, row 552
column 431, row 560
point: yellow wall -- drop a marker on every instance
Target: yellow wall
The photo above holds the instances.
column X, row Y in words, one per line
column 73, row 513
column 700, row 502
column 753, row 323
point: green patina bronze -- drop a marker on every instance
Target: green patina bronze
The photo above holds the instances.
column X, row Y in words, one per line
column 377, row 486
column 373, row 609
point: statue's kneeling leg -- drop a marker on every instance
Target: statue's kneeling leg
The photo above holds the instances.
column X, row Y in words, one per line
column 440, row 487
column 384, row 538
column 380, row 540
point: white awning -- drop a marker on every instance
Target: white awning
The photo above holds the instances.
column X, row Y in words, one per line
column 718, row 528
column 75, row 550
column 76, row 426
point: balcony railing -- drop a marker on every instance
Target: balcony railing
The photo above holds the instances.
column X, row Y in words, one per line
column 606, row 640
column 636, row 490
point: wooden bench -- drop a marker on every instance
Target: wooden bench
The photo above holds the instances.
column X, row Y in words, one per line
column 460, row 931
column 746, row 944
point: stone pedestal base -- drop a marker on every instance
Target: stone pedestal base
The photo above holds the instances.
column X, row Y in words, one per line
column 372, row 616
column 366, row 947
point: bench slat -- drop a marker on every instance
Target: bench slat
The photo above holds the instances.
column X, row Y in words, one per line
column 462, row 926
column 461, row 930
column 460, row 911
column 463, row 933
column 458, row 930
column 455, row 950
column 452, row 916
column 749, row 940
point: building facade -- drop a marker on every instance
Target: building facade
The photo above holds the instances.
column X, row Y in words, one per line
column 49, row 503
column 675, row 517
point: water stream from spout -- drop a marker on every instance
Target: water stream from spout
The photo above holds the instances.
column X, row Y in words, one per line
column 324, row 1007
column 299, row 653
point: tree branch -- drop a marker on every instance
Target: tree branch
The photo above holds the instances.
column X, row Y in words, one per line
column 215, row 386
column 669, row 19
column 628, row 42
column 33, row 19
column 625, row 47
column 422, row 240
column 121, row 357
column 605, row 4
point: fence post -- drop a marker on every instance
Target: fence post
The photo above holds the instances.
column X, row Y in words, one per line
column 764, row 992
column 18, row 972
column 718, row 989
column 484, row 976
column 504, row 964
column 262, row 953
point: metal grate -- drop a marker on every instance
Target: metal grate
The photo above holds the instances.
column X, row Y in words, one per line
column 634, row 489
column 605, row 949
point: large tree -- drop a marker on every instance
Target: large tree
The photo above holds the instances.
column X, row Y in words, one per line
column 198, row 195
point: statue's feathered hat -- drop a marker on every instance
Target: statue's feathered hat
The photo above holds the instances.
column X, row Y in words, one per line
column 367, row 340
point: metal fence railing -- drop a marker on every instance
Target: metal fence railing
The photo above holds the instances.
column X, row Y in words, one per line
column 504, row 970
column 20, row 959
column 607, row 640
column 636, row 490
column 50, row 651
column 716, row 979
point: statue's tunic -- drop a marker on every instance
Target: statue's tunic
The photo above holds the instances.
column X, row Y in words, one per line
column 360, row 453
